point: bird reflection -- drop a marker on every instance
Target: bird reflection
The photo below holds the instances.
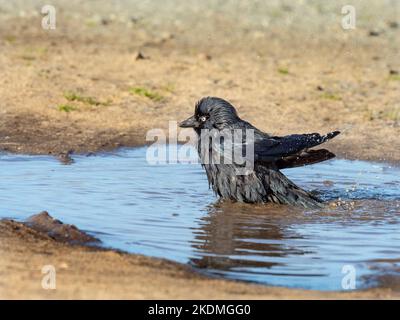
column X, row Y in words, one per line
column 233, row 236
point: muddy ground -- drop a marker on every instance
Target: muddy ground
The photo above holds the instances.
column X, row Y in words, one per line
column 84, row 272
column 288, row 67
column 110, row 71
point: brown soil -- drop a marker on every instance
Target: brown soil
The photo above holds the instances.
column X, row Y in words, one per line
column 288, row 74
column 91, row 273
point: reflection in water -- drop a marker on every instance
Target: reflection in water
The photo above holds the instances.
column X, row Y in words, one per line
column 299, row 247
column 386, row 274
column 240, row 235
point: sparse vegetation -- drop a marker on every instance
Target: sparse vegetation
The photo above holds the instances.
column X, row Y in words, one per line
column 91, row 23
column 28, row 57
column 331, row 96
column 33, row 53
column 10, row 38
column 76, row 97
column 66, row 108
column 392, row 114
column 389, row 114
column 394, row 77
column 152, row 95
column 73, row 96
column 283, row 71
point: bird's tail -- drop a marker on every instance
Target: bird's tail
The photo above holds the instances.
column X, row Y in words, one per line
column 304, row 158
column 282, row 190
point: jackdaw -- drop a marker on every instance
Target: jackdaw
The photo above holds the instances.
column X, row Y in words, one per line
column 263, row 182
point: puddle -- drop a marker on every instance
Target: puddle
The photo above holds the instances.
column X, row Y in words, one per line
column 168, row 211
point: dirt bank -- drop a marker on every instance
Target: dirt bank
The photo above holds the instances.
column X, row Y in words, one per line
column 90, row 273
column 289, row 68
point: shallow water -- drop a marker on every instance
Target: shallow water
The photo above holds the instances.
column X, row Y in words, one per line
column 168, row 211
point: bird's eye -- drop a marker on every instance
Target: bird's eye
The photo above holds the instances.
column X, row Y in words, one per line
column 203, row 119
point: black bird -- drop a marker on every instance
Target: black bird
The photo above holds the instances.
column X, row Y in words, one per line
column 264, row 182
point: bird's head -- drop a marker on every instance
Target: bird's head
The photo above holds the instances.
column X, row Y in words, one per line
column 211, row 113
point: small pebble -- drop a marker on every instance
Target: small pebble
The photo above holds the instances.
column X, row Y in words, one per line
column 205, row 56
column 374, row 33
column 140, row 56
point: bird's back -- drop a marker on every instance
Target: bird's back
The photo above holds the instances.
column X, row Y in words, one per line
column 263, row 183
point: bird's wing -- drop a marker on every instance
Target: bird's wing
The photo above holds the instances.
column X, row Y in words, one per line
column 266, row 148
column 274, row 148
column 304, row 158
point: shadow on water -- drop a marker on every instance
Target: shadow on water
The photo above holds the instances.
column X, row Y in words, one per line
column 168, row 211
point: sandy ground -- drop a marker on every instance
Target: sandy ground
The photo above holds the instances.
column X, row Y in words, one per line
column 288, row 66
column 89, row 273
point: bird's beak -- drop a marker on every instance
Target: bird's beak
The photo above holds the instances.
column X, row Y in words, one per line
column 189, row 123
